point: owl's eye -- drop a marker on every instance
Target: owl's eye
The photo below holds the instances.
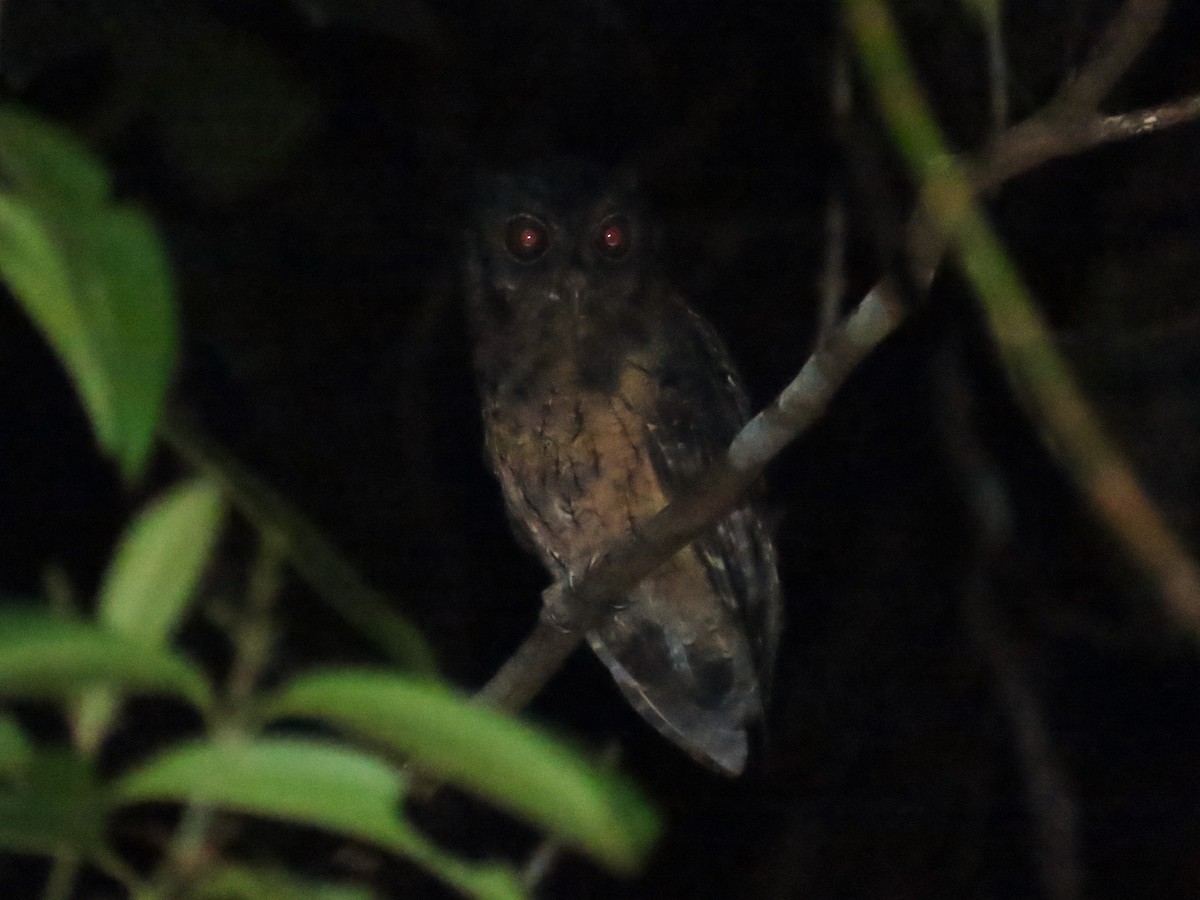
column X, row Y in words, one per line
column 614, row 237
column 526, row 238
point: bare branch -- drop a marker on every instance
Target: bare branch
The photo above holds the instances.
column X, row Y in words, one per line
column 1045, row 137
column 569, row 611
column 1123, row 42
column 1047, row 788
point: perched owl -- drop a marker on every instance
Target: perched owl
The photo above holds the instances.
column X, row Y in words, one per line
column 603, row 394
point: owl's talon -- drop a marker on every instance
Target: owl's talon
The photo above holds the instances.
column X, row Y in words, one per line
column 558, row 607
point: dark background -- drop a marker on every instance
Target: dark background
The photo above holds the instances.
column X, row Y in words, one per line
column 310, row 164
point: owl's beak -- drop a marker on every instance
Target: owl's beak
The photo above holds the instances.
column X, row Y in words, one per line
column 572, row 287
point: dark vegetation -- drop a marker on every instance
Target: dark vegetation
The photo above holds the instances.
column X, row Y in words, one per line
column 309, row 165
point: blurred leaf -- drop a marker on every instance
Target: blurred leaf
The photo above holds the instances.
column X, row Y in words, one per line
column 310, row 783
column 42, row 160
column 161, row 556
column 55, row 804
column 123, row 285
column 315, row 560
column 150, row 581
column 238, row 882
column 93, row 277
column 45, row 657
column 39, row 275
column 487, row 753
column 14, row 747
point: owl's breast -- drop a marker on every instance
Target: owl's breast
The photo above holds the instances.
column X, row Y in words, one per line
column 575, row 465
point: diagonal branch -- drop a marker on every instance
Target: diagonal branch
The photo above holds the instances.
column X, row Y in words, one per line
column 1068, row 124
column 1126, row 37
column 569, row 611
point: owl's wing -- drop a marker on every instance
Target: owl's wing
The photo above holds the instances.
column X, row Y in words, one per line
column 701, row 409
column 693, row 648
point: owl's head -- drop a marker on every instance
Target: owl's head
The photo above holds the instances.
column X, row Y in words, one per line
column 561, row 268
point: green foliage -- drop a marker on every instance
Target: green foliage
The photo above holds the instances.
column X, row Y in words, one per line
column 235, row 882
column 485, row 752
column 47, row 658
column 93, row 276
column 313, row 783
column 54, row 803
column 14, row 747
column 151, row 579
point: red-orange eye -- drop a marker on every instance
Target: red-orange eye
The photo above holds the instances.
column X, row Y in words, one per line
column 526, row 238
column 614, row 237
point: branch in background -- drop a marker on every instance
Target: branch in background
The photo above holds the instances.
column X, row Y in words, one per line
column 1126, row 37
column 1037, row 371
column 831, row 288
column 1048, row 795
column 1052, row 134
column 313, row 558
column 569, row 610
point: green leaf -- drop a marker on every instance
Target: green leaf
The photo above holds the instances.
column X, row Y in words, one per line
column 93, row 277
column 487, row 753
column 45, row 657
column 39, row 275
column 147, row 587
column 123, row 286
column 240, row 882
column 310, row 783
column 54, row 805
column 39, row 159
column 150, row 581
column 14, row 747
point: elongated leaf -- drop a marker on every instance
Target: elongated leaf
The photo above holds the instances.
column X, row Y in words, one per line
column 39, row 275
column 53, row 805
column 14, row 747
column 123, row 287
column 311, row 783
column 487, row 753
column 239, row 882
column 150, row 581
column 147, row 587
column 45, row 657
column 93, row 277
column 39, row 159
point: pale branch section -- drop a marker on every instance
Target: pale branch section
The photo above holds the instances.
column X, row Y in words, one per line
column 1068, row 124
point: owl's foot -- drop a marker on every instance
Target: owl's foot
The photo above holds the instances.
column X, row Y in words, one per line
column 559, row 606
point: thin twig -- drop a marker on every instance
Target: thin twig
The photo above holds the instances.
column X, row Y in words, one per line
column 1046, row 137
column 1126, row 37
column 1047, row 788
column 993, row 29
column 314, row 559
column 832, row 285
column 1048, row 795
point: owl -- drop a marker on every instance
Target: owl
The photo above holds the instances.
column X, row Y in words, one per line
column 603, row 395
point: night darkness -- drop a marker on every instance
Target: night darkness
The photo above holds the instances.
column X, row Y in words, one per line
column 311, row 165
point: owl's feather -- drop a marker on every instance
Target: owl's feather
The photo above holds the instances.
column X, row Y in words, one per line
column 603, row 395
